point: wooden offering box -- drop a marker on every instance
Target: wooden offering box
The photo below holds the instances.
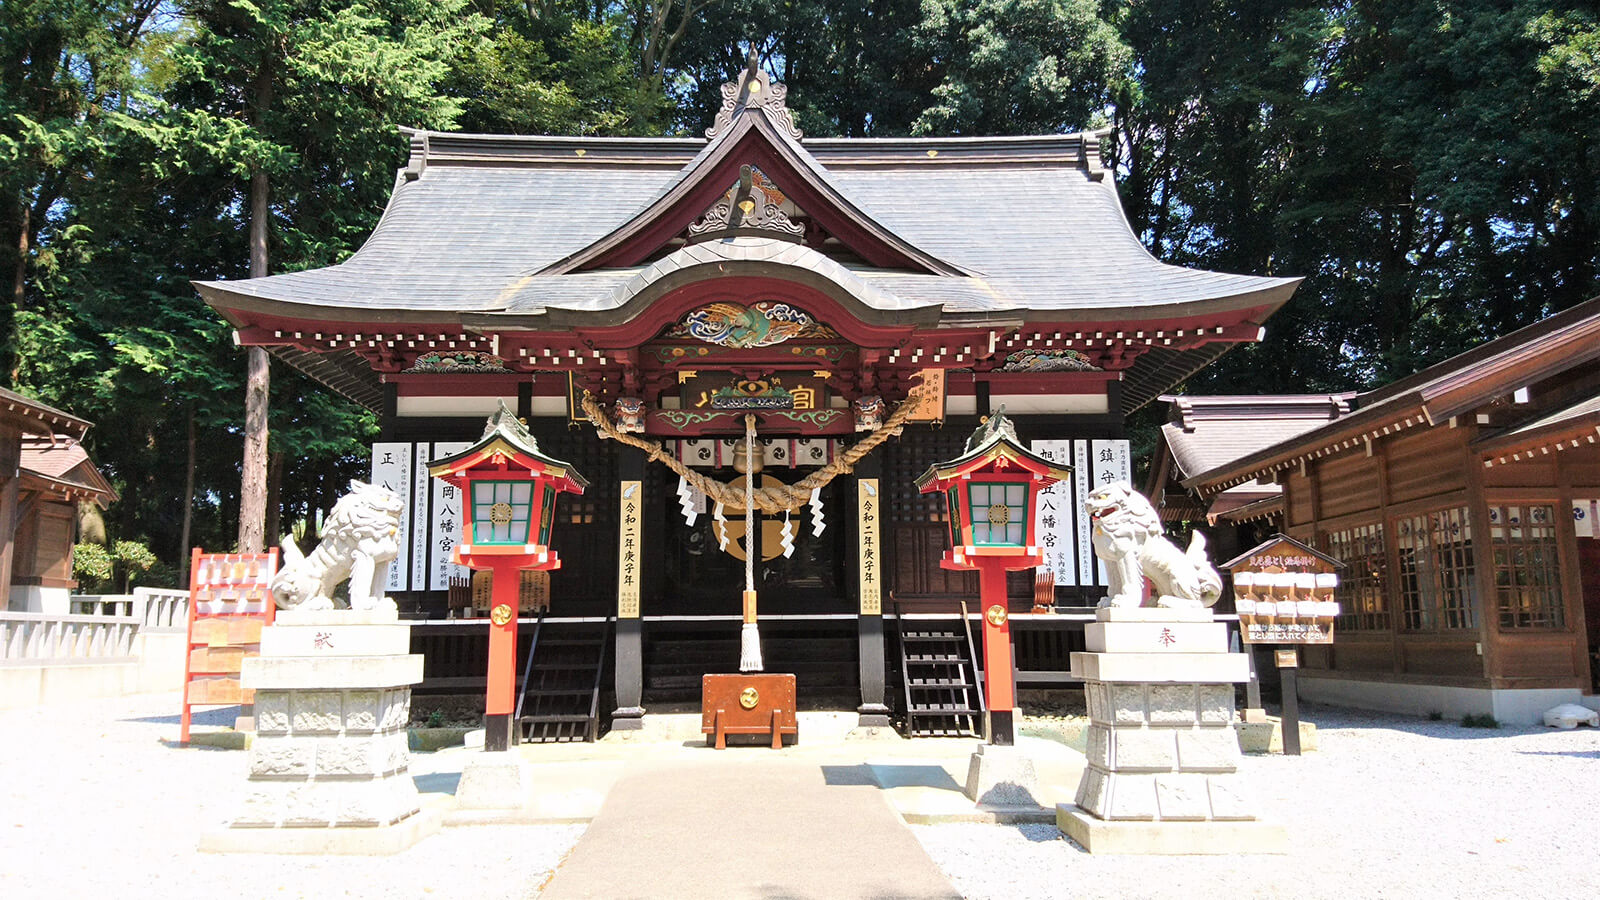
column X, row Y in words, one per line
column 748, row 704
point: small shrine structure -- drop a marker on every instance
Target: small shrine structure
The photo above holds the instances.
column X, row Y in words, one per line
column 663, row 289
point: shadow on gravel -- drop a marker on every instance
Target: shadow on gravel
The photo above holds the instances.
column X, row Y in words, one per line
column 1575, row 754
column 221, row 715
column 857, row 775
column 1038, row 833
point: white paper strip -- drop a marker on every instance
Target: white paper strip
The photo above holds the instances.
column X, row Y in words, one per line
column 391, row 470
column 447, row 519
column 786, row 536
column 686, row 501
column 818, row 521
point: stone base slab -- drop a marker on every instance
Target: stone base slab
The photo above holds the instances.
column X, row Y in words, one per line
column 336, row 617
column 382, row 840
column 1267, row 737
column 1169, row 838
column 1164, row 668
column 1151, row 614
column 1002, row 777
column 1156, row 637
column 499, row 780
column 332, row 672
column 280, row 639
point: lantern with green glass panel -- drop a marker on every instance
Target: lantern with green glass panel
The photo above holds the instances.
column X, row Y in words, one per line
column 509, row 489
column 991, row 489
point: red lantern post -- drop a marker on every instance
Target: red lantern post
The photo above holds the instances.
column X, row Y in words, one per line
column 508, row 490
column 991, row 490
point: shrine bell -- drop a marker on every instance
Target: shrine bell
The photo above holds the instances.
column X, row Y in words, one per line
column 991, row 490
column 508, row 490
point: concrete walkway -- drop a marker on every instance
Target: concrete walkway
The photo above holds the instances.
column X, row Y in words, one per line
column 760, row 829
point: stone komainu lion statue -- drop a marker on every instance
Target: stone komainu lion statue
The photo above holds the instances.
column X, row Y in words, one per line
column 1127, row 536
column 358, row 541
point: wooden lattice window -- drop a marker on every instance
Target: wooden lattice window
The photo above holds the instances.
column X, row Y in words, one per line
column 1527, row 571
column 1435, row 564
column 1363, row 600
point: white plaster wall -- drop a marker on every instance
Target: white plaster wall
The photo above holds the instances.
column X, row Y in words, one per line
column 1513, row 707
column 35, row 599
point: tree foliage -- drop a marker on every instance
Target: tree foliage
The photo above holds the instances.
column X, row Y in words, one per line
column 1430, row 169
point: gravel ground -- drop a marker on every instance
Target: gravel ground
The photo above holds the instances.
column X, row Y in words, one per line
column 1389, row 807
column 95, row 803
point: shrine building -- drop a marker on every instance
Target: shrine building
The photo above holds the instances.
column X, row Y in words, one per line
column 681, row 285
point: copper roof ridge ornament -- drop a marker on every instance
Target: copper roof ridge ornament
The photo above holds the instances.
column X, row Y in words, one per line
column 753, row 89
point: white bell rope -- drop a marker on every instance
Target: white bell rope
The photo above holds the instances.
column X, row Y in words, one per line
column 749, row 634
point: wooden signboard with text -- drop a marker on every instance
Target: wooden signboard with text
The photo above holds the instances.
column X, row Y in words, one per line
column 1284, row 593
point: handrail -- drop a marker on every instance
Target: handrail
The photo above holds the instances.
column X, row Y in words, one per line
column 599, row 671
column 972, row 653
column 163, row 608
column 527, row 672
column 36, row 638
column 905, row 677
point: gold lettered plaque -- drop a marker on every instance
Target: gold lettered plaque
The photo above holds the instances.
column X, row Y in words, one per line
column 869, row 503
column 628, row 556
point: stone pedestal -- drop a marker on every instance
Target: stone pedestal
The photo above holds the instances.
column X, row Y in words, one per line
column 1002, row 777
column 1163, row 758
column 329, row 767
column 495, row 780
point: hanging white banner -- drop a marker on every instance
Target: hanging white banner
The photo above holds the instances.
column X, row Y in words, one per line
column 1112, row 462
column 391, row 470
column 417, row 576
column 1054, row 520
column 447, row 518
column 1081, row 479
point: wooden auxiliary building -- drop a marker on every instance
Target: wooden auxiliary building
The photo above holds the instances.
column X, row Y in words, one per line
column 1462, row 501
column 814, row 283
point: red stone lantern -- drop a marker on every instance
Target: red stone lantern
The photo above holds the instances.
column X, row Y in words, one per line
column 508, row 491
column 992, row 489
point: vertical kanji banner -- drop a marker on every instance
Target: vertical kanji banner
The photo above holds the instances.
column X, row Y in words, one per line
column 869, row 558
column 446, row 518
column 628, row 559
column 391, row 470
column 1054, row 518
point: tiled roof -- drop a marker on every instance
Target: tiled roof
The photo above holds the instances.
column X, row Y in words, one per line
column 37, row 418
column 1212, row 431
column 1562, row 342
column 1037, row 230
column 64, row 463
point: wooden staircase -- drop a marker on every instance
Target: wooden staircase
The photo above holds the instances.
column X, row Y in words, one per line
column 939, row 676
column 559, row 699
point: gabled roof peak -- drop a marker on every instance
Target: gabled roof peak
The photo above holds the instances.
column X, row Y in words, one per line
column 754, row 91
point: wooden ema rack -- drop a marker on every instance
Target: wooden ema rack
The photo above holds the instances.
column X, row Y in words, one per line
column 229, row 603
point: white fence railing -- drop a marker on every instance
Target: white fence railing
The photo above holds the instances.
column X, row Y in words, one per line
column 153, row 608
column 164, row 608
column 40, row 638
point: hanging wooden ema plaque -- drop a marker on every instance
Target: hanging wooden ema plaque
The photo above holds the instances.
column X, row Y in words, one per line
column 1283, row 592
